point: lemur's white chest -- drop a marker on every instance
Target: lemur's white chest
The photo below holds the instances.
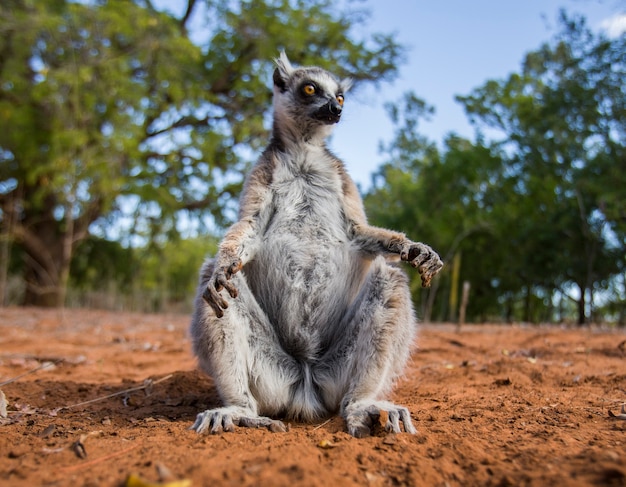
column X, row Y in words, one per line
column 305, row 251
column 307, row 198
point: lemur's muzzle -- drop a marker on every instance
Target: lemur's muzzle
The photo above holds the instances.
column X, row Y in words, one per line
column 329, row 113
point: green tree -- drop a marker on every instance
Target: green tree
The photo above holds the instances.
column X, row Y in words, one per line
column 154, row 277
column 115, row 121
column 169, row 272
column 537, row 213
column 439, row 197
column 563, row 120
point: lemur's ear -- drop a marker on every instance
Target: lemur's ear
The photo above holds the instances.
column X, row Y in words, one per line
column 346, row 84
column 283, row 71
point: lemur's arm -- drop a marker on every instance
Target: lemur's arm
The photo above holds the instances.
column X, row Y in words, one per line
column 242, row 239
column 377, row 240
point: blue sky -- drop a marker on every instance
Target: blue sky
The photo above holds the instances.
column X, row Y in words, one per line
column 454, row 47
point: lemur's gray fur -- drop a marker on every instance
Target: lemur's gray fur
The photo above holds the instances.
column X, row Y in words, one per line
column 318, row 321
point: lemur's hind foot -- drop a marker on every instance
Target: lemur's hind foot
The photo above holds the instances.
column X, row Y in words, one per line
column 225, row 419
column 362, row 416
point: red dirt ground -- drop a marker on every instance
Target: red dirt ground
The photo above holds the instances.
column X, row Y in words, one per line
column 494, row 405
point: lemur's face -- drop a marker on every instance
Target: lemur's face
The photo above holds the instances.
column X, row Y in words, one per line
column 314, row 93
column 308, row 94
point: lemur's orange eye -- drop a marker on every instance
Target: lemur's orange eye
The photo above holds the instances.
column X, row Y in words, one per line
column 340, row 99
column 308, row 89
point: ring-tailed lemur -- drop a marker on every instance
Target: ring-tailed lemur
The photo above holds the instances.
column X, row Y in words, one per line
column 300, row 315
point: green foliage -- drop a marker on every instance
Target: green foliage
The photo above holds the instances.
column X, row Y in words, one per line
column 441, row 197
column 538, row 214
column 172, row 270
column 98, row 262
column 114, row 120
column 564, row 121
column 151, row 278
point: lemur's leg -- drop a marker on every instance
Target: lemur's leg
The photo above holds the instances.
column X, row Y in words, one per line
column 371, row 347
column 242, row 354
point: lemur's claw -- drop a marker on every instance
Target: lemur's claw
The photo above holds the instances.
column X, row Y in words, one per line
column 212, row 297
column 423, row 258
column 221, row 280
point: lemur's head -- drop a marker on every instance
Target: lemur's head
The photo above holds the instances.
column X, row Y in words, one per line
column 307, row 100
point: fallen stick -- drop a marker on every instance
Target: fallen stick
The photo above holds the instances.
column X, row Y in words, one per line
column 323, row 424
column 45, row 365
column 148, row 383
column 622, row 415
column 97, row 460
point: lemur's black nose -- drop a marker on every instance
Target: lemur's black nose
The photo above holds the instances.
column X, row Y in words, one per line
column 328, row 113
column 334, row 107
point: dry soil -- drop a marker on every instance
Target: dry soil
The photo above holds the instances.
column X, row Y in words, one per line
column 114, row 394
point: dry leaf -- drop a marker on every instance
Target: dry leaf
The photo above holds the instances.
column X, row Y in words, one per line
column 326, row 444
column 48, row 431
column 163, row 472
column 136, row 481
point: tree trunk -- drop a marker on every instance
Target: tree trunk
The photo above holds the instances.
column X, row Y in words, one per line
column 621, row 319
column 509, row 309
column 6, row 239
column 43, row 276
column 43, row 241
column 430, row 302
column 463, row 307
column 581, row 305
column 5, row 255
column 48, row 245
column 5, row 251
column 454, row 286
column 67, row 250
column 40, row 289
column 527, row 317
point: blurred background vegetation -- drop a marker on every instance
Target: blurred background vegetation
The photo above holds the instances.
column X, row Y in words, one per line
column 124, row 143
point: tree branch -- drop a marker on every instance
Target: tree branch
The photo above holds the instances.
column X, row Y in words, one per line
column 149, row 5
column 183, row 22
column 198, row 204
column 35, row 248
column 90, row 214
column 185, row 121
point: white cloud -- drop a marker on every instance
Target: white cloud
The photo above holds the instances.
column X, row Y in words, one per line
column 614, row 26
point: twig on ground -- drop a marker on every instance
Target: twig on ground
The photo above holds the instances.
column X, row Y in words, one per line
column 323, row 424
column 98, row 460
column 44, row 365
column 622, row 415
column 148, row 383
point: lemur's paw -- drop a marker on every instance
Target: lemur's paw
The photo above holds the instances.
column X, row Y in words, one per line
column 362, row 416
column 219, row 420
column 221, row 279
column 425, row 259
